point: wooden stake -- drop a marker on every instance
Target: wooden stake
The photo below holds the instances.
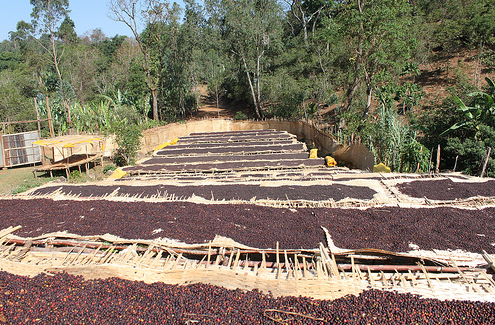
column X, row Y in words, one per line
column 485, row 162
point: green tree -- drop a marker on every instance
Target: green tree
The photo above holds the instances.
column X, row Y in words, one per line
column 252, row 28
column 379, row 42
column 46, row 19
column 145, row 16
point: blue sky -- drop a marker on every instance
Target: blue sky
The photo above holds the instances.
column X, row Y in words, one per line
column 86, row 14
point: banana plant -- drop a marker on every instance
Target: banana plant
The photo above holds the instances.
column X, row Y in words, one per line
column 483, row 111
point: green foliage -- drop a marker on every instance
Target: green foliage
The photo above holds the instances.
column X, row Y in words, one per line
column 415, row 157
column 393, row 143
column 488, row 59
column 66, row 31
column 481, row 113
column 471, row 151
column 75, row 176
column 108, row 167
column 128, row 139
column 10, row 60
column 14, row 104
column 25, row 187
column 379, row 43
column 252, row 30
column 240, row 116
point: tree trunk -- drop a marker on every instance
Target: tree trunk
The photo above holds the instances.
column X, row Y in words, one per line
column 217, row 98
column 154, row 96
column 437, row 168
column 305, row 28
column 351, row 91
column 253, row 94
column 369, row 95
column 258, row 86
column 50, row 121
column 59, row 74
column 151, row 85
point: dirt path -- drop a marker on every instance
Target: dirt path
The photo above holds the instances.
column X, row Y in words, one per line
column 208, row 107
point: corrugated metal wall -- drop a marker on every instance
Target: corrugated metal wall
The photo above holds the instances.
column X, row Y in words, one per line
column 18, row 149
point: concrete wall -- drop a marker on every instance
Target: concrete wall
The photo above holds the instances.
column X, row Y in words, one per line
column 357, row 155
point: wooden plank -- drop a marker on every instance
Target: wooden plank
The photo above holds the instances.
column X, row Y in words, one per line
column 107, row 255
column 177, row 261
column 286, row 264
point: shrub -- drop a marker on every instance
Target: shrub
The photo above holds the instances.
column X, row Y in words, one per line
column 108, row 167
column 240, row 116
column 128, row 140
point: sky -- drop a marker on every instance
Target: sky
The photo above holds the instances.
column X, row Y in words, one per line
column 86, row 14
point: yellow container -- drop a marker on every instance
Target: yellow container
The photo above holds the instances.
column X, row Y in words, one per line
column 330, row 161
column 381, row 168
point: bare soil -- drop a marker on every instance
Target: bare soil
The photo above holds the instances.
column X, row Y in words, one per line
column 209, row 109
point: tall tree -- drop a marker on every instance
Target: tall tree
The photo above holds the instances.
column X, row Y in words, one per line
column 306, row 13
column 139, row 15
column 47, row 17
column 252, row 28
column 378, row 41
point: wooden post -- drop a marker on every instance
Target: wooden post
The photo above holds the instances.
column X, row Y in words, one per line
column 50, row 121
column 431, row 157
column 419, row 164
column 455, row 164
column 437, row 168
column 485, row 162
column 37, row 117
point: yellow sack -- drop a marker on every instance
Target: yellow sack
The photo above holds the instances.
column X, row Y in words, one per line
column 330, row 161
column 313, row 154
column 174, row 141
column 161, row 146
column 118, row 173
column 381, row 168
